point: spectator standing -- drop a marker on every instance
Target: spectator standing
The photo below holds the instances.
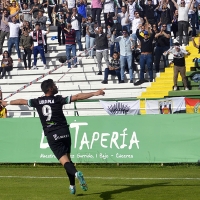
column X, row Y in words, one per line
column 149, row 10
column 60, row 22
column 5, row 29
column 35, row 8
column 132, row 6
column 174, row 27
column 82, row 6
column 13, row 8
column 38, row 44
column 162, row 45
column 179, row 64
column 42, row 21
column 1, row 95
column 183, row 20
column 6, row 64
column 96, row 7
column 70, row 4
column 191, row 17
column 90, row 36
column 125, row 43
column 70, row 37
column 113, row 69
column 51, row 5
column 26, row 45
column 146, row 56
column 135, row 23
column 108, row 9
column 14, row 36
column 118, row 28
column 76, row 20
column 124, row 16
column 26, row 13
column 101, row 42
column 165, row 17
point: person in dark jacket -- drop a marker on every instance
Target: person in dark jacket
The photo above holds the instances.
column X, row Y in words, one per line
column 165, row 17
column 60, row 21
column 101, row 42
column 6, row 64
column 118, row 28
column 26, row 45
column 162, row 45
column 149, row 10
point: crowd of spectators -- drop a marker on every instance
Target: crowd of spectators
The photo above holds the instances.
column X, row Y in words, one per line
column 131, row 28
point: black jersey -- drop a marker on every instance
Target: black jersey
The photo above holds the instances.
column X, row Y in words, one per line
column 50, row 111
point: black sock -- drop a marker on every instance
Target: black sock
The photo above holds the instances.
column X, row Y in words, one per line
column 69, row 167
column 71, row 178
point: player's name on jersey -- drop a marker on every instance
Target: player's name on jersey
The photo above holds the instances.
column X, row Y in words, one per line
column 46, row 101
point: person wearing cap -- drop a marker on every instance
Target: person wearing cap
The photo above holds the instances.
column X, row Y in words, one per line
column 126, row 45
column 149, row 10
column 38, row 44
column 183, row 20
column 60, row 21
column 146, row 57
column 179, row 64
column 162, row 45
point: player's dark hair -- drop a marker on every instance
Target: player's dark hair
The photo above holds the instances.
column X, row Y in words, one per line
column 45, row 85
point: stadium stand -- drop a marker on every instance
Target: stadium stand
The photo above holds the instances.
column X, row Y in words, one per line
column 81, row 78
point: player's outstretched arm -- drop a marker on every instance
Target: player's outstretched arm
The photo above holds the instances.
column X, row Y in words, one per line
column 14, row 102
column 82, row 96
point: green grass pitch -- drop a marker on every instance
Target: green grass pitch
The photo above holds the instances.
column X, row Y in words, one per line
column 139, row 182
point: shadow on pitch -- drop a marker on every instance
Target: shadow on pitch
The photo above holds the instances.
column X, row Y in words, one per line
column 128, row 188
column 107, row 195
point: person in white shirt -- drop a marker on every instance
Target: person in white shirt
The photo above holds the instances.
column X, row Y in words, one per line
column 135, row 23
column 124, row 19
column 76, row 20
column 14, row 35
column 109, row 12
column 38, row 44
column 131, row 8
column 183, row 20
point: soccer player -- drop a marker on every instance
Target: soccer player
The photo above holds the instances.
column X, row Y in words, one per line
column 56, row 129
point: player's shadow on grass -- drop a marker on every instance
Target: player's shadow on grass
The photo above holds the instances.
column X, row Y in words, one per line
column 107, row 195
column 129, row 188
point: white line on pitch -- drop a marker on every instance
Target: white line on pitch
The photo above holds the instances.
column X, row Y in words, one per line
column 105, row 178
